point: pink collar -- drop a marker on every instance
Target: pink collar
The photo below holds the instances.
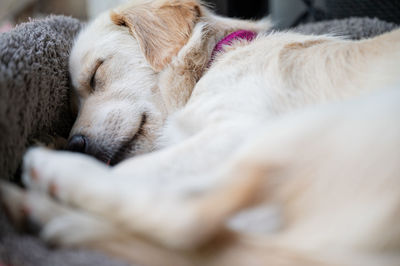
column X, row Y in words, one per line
column 228, row 40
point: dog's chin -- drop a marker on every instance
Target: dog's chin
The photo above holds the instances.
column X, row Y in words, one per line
column 121, row 154
column 111, row 158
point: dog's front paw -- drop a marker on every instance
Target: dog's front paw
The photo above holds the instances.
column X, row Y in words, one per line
column 57, row 224
column 37, row 167
column 62, row 175
column 44, row 171
column 28, row 210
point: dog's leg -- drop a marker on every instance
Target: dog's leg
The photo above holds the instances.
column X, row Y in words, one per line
column 183, row 216
column 56, row 223
column 143, row 191
column 64, row 226
column 60, row 225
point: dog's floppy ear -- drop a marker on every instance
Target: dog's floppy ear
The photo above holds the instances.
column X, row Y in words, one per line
column 162, row 28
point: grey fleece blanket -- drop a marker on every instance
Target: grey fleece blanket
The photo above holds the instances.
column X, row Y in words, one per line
column 352, row 28
column 34, row 91
column 34, row 86
column 34, row 106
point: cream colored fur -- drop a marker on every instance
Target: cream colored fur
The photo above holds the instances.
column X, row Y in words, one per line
column 285, row 151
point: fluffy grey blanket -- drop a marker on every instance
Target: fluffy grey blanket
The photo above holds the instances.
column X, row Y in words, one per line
column 34, row 91
column 34, row 86
column 34, row 106
column 352, row 28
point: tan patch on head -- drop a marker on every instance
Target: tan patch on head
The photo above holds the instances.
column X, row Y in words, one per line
column 161, row 28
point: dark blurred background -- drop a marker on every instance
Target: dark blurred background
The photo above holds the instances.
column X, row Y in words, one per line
column 285, row 13
column 289, row 13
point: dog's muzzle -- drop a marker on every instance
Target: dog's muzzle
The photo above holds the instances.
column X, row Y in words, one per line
column 82, row 144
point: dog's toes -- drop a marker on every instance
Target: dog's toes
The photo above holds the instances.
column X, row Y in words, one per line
column 34, row 159
column 44, row 170
column 13, row 200
column 59, row 174
column 15, row 204
column 28, row 210
column 57, row 224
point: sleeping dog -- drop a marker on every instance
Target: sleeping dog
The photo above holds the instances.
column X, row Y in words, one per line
column 214, row 143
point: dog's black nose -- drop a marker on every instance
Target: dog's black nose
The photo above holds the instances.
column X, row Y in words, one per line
column 77, row 143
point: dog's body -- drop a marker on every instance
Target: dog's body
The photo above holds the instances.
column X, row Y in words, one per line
column 223, row 135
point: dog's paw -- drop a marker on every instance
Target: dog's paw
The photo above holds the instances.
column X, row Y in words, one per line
column 56, row 224
column 77, row 229
column 28, row 210
column 36, row 165
column 12, row 201
column 62, row 175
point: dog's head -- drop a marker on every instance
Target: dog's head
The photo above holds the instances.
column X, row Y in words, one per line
column 116, row 65
column 114, row 68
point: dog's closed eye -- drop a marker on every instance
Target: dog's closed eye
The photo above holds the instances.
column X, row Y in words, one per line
column 92, row 82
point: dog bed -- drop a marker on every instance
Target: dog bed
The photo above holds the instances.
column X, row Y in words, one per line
column 34, row 105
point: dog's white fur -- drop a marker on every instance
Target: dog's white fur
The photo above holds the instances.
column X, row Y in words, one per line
column 263, row 126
